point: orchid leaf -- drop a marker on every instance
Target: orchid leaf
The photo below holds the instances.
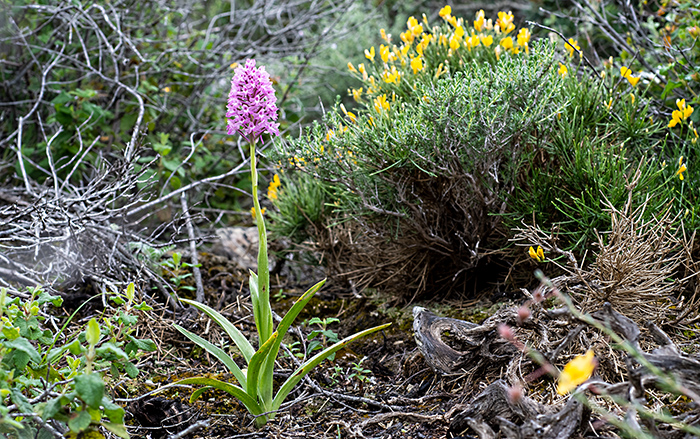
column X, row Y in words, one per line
column 243, row 344
column 218, row 353
column 314, row 361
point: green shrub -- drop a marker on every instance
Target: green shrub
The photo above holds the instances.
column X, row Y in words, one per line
column 418, row 176
column 47, row 376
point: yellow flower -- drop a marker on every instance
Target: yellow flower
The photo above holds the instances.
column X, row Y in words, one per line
column 627, row 74
column 252, row 211
column 384, row 35
column 632, row 97
column 479, row 22
column 350, row 115
column 576, row 371
column 369, row 54
column 524, row 36
column 454, row 42
column 166, row 89
column 446, row 11
column 505, row 21
column 406, row 37
column 275, row 183
column 572, row 45
column 609, row 104
column 384, row 53
column 442, row 40
column 459, row 31
column 452, row 20
column 361, row 68
column 234, row 65
column 329, row 135
column 356, row 94
column 417, row 64
column 538, row 254
column 380, row 104
column 563, row 70
column 684, row 111
column 507, row 43
column 439, row 71
column 391, row 76
column 681, row 169
column 473, row 41
column 487, row 40
column 352, row 68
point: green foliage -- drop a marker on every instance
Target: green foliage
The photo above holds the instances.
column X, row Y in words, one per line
column 326, row 335
column 302, row 207
column 178, row 272
column 56, row 376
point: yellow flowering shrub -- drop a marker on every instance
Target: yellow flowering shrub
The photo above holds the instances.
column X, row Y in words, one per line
column 447, row 47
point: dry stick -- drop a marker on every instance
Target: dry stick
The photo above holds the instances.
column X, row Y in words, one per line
column 580, row 52
column 184, row 189
column 193, row 249
column 191, row 429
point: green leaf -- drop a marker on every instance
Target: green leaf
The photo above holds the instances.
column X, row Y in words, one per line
column 117, row 429
column 238, row 338
column 240, row 394
column 45, row 297
column 140, row 344
column 23, row 345
column 305, row 368
column 130, row 291
column 90, row 388
column 218, row 353
column 80, row 422
column 131, row 369
column 266, row 380
column 92, row 334
column 51, row 407
column 254, row 369
column 110, row 350
column 113, row 411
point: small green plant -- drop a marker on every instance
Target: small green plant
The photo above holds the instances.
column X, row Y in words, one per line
column 326, row 335
column 47, row 377
column 179, row 271
column 358, row 372
column 251, row 113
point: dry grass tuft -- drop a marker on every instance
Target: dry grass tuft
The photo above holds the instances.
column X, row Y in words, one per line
column 636, row 266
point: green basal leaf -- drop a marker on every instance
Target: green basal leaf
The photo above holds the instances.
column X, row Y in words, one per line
column 254, row 369
column 238, row 338
column 218, row 353
column 80, row 422
column 240, row 394
column 116, row 429
column 23, row 345
column 266, row 379
column 314, row 361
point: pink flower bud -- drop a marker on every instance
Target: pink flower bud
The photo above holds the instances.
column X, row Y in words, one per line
column 523, row 314
column 506, row 332
column 515, row 393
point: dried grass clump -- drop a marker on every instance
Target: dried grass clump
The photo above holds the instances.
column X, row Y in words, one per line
column 636, row 266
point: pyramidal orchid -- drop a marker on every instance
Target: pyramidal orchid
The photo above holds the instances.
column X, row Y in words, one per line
column 251, row 112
